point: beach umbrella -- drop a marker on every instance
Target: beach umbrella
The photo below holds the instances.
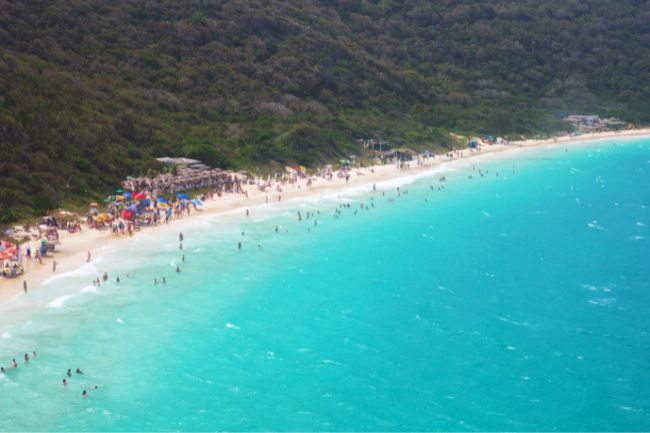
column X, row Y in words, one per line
column 197, row 202
column 119, row 191
column 140, row 195
column 127, row 195
column 145, row 202
column 162, row 200
column 182, row 196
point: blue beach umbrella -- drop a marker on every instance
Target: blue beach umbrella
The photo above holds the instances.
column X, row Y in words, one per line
column 182, row 196
column 162, row 200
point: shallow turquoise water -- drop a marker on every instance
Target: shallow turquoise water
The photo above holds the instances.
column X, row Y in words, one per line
column 511, row 302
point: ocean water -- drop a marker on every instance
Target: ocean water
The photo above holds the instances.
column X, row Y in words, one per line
column 511, row 302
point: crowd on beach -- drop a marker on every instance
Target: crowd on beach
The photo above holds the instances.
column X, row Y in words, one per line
column 150, row 201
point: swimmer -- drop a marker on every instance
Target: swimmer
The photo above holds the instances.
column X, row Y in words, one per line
column 84, row 394
column 239, row 245
column 183, row 258
column 155, row 281
column 178, row 269
column 246, row 212
column 26, row 358
column 180, row 237
column 79, row 371
column 2, row 369
column 180, row 246
column 95, row 387
column 164, row 281
column 65, row 382
column 117, row 280
column 69, row 373
column 34, row 354
column 14, row 364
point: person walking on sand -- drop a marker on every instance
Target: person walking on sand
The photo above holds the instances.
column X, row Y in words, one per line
column 180, row 237
column 54, row 266
column 25, row 286
column 88, row 258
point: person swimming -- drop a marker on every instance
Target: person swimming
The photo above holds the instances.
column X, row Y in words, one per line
column 65, row 382
column 79, row 371
column 84, row 394
column 164, row 281
column 14, row 364
column 34, row 354
column 178, row 269
column 2, row 369
column 69, row 373
column 26, row 358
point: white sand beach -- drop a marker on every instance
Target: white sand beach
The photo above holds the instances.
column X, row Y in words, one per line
column 72, row 250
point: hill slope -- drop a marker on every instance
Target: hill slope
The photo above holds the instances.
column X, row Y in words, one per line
column 90, row 90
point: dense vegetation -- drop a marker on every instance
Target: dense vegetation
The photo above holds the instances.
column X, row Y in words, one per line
column 91, row 90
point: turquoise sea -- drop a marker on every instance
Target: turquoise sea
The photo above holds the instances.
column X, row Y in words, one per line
column 511, row 302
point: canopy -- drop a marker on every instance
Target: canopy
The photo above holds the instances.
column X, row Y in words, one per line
column 127, row 215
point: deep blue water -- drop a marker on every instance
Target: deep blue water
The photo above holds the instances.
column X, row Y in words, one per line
column 511, row 302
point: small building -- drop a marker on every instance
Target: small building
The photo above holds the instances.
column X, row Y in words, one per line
column 583, row 120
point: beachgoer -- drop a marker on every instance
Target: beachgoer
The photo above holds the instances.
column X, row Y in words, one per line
column 26, row 358
column 79, row 371
column 183, row 258
column 84, row 394
column 155, row 281
column 246, row 212
column 178, row 269
column 34, row 354
column 180, row 237
column 69, row 372
column 54, row 266
column 14, row 364
column 105, row 276
column 25, row 286
column 88, row 259
column 65, row 382
column 95, row 387
column 164, row 281
column 180, row 246
column 239, row 245
column 2, row 369
column 117, row 280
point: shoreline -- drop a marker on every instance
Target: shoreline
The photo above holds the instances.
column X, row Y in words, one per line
column 72, row 250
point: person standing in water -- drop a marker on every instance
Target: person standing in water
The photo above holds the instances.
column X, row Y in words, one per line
column 180, row 237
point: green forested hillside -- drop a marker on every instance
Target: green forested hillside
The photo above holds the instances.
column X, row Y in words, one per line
column 91, row 90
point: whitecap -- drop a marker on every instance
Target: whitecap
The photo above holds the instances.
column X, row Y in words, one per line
column 198, row 250
column 6, row 335
column 637, row 238
column 90, row 288
column 232, row 326
column 640, row 224
column 511, row 347
column 59, row 302
column 118, row 320
column 329, row 361
column 485, row 214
